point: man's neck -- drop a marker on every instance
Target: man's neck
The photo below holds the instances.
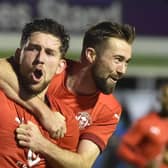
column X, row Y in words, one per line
column 79, row 80
column 42, row 94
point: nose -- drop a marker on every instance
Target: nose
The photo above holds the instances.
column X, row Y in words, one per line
column 122, row 68
column 40, row 57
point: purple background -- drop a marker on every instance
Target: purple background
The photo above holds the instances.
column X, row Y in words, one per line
column 148, row 16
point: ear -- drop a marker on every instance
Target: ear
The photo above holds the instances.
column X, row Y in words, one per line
column 17, row 55
column 90, row 54
column 61, row 66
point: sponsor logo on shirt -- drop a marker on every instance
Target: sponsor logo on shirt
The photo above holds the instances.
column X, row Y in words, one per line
column 84, row 119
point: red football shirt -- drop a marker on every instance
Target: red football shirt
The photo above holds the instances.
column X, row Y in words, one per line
column 97, row 115
column 13, row 156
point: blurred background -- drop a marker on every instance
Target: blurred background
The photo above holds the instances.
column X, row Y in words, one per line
column 138, row 91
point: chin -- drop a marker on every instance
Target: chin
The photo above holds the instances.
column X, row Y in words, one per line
column 37, row 88
column 107, row 92
column 110, row 90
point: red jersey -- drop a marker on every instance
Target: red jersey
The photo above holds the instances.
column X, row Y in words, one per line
column 13, row 156
column 145, row 140
column 97, row 115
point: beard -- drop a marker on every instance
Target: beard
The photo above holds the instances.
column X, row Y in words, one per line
column 32, row 88
column 103, row 86
column 102, row 82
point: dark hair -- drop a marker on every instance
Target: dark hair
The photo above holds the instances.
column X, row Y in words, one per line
column 100, row 33
column 47, row 26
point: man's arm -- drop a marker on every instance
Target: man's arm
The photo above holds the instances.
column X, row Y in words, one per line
column 30, row 136
column 84, row 157
column 52, row 122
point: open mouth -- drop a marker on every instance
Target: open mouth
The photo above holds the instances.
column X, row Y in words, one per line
column 37, row 75
column 113, row 79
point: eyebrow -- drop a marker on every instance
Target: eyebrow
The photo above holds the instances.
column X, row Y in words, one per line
column 121, row 56
column 39, row 47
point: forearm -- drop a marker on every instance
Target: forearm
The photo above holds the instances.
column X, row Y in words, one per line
column 39, row 109
column 29, row 135
column 10, row 85
column 30, row 104
column 61, row 158
column 9, row 82
column 13, row 94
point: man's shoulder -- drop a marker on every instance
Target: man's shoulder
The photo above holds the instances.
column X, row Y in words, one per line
column 108, row 106
column 109, row 100
column 5, row 102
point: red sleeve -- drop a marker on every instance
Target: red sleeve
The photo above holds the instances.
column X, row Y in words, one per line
column 103, row 125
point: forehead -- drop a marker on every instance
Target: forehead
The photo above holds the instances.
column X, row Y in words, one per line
column 45, row 40
column 117, row 46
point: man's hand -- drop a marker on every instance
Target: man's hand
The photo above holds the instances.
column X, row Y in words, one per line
column 55, row 124
column 29, row 135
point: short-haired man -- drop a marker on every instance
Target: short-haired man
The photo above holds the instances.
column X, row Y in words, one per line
column 40, row 56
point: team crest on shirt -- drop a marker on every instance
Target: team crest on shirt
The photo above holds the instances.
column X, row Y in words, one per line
column 84, row 119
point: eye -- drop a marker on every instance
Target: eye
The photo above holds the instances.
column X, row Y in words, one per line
column 32, row 48
column 50, row 52
column 118, row 59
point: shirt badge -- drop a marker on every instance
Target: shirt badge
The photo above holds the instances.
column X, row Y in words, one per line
column 84, row 119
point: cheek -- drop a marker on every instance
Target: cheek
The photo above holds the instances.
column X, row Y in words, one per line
column 116, row 66
column 109, row 67
column 24, row 70
column 26, row 61
column 25, row 64
column 102, row 70
column 109, row 64
column 52, row 68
